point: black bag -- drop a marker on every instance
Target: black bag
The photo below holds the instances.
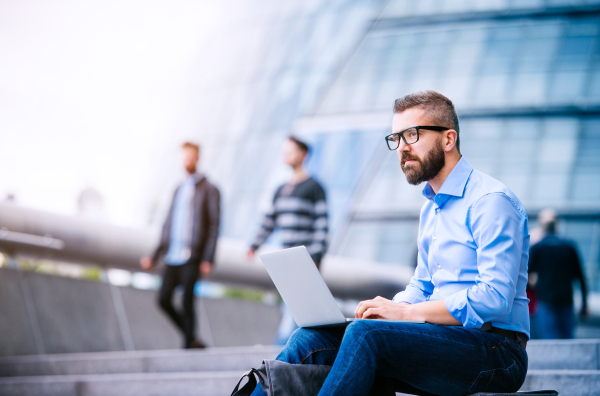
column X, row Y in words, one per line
column 284, row 379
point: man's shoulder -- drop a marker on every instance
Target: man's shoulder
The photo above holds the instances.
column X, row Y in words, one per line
column 309, row 189
column 556, row 240
column 482, row 185
column 315, row 185
column 205, row 183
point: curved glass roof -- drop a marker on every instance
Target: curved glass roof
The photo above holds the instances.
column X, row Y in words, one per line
column 509, row 63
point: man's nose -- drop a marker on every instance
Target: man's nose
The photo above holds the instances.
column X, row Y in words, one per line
column 402, row 147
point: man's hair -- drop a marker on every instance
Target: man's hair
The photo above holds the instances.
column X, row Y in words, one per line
column 438, row 107
column 191, row 145
column 301, row 145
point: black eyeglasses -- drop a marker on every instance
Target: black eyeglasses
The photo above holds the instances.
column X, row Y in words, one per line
column 409, row 135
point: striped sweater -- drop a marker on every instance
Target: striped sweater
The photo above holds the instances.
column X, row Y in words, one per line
column 300, row 212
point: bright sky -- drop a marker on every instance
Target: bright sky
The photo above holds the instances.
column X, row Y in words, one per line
column 89, row 93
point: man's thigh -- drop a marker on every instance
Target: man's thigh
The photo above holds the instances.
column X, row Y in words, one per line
column 188, row 276
column 169, row 282
column 436, row 358
column 312, row 346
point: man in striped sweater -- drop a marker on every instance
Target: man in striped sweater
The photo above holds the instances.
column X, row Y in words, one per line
column 300, row 212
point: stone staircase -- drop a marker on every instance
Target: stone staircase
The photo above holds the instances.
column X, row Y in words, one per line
column 214, row 371
column 572, row 367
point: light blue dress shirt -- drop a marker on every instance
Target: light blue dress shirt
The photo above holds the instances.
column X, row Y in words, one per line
column 473, row 252
column 181, row 222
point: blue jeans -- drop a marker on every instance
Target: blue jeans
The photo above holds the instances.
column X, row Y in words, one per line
column 555, row 321
column 421, row 359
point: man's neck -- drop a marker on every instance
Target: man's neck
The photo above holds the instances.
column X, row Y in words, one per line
column 451, row 161
column 299, row 175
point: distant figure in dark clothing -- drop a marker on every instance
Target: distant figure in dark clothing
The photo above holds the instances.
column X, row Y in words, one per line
column 553, row 264
column 299, row 209
column 188, row 243
column 300, row 212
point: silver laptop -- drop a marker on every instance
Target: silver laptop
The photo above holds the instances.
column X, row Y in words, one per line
column 303, row 290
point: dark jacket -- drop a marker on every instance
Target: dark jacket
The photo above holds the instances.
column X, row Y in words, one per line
column 205, row 228
column 556, row 262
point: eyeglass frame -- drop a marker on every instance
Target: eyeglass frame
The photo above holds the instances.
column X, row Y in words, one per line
column 401, row 134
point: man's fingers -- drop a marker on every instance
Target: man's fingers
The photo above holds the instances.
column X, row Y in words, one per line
column 359, row 310
column 371, row 313
column 364, row 306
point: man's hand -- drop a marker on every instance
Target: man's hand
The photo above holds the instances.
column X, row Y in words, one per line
column 429, row 311
column 250, row 255
column 146, row 263
column 382, row 308
column 205, row 268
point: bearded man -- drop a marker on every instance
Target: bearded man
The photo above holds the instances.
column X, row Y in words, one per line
column 469, row 284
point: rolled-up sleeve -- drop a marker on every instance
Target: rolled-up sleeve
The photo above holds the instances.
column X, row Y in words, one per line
column 420, row 286
column 498, row 227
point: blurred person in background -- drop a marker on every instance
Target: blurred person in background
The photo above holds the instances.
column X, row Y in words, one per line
column 299, row 210
column 188, row 243
column 553, row 265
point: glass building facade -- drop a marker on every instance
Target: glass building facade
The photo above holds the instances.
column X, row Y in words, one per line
column 524, row 76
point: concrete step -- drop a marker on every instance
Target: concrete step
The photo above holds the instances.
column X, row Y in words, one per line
column 543, row 355
column 211, row 359
column 564, row 354
column 148, row 384
column 566, row 382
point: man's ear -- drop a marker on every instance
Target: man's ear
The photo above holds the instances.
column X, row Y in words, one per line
column 450, row 140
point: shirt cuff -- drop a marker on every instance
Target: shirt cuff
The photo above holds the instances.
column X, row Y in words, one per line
column 409, row 296
column 459, row 307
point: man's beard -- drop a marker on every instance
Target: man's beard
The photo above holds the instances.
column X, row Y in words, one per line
column 424, row 170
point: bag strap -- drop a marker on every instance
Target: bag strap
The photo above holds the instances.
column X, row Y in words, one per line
column 249, row 387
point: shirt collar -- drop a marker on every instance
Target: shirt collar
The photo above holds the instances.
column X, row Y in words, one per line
column 455, row 183
column 194, row 178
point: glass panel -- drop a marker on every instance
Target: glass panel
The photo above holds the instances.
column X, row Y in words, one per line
column 535, row 59
column 526, row 3
column 529, row 89
column 500, row 49
column 480, row 143
column 574, row 53
column 586, row 185
column 337, row 160
column 586, row 180
column 387, row 190
column 559, row 144
column 585, row 235
column 550, row 188
column 518, row 183
column 520, row 145
column 594, row 88
column 390, row 242
column 567, row 86
column 491, row 90
column 588, row 155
